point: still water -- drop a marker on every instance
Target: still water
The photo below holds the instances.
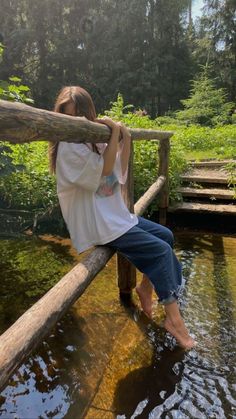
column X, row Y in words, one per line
column 104, row 360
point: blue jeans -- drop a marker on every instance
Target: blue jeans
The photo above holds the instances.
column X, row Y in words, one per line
column 149, row 246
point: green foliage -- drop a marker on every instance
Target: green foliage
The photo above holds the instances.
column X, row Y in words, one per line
column 118, row 108
column 7, row 165
column 33, row 187
column 14, row 91
column 168, row 120
column 219, row 142
column 231, row 169
column 24, row 178
column 215, row 42
column 234, row 118
column 206, row 105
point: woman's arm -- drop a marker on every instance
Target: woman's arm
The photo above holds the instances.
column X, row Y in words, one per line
column 109, row 155
column 124, row 147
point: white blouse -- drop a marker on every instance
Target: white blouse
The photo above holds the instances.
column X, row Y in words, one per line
column 91, row 204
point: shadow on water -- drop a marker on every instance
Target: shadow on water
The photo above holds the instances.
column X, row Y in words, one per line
column 143, row 389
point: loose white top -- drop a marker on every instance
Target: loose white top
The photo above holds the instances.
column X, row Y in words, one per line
column 91, row 204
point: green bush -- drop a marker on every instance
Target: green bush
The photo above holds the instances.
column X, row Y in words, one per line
column 233, row 118
column 33, row 187
column 24, row 177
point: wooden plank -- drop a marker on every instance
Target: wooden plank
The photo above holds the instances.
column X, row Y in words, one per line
column 211, row 163
column 199, row 207
column 204, row 179
column 208, row 193
column 20, row 123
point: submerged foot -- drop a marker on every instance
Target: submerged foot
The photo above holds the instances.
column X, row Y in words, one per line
column 145, row 297
column 179, row 331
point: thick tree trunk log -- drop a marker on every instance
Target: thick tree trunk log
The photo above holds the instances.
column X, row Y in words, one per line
column 30, row 329
column 22, row 123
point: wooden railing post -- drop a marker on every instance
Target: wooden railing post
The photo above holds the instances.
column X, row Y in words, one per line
column 163, row 170
column 126, row 272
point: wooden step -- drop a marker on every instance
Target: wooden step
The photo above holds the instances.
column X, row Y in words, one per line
column 207, row 193
column 209, row 178
column 211, row 163
column 229, row 209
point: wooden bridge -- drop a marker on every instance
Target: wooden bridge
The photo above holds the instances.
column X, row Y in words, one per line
column 21, row 123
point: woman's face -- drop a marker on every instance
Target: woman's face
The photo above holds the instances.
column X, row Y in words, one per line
column 70, row 109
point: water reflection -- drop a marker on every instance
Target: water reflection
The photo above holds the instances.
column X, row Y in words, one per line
column 105, row 359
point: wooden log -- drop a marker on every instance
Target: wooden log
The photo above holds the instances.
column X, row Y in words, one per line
column 163, row 170
column 21, row 123
column 207, row 193
column 211, row 163
column 126, row 271
column 225, row 209
column 143, row 203
column 29, row 330
column 206, row 178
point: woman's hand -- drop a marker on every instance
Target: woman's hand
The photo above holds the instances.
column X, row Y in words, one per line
column 109, row 155
column 124, row 131
column 109, row 122
column 125, row 147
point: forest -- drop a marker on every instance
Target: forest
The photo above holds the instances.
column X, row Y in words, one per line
column 147, row 50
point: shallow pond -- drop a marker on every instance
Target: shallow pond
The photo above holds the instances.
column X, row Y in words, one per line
column 106, row 360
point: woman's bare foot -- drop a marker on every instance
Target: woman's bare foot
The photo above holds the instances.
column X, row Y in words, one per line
column 144, row 291
column 181, row 334
column 174, row 324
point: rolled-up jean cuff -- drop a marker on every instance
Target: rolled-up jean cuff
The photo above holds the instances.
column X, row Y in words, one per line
column 168, row 300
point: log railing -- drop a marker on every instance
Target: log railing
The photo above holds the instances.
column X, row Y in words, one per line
column 21, row 123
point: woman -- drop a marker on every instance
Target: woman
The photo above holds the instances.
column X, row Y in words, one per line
column 88, row 187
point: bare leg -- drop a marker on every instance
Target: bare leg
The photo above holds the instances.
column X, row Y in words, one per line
column 144, row 291
column 174, row 324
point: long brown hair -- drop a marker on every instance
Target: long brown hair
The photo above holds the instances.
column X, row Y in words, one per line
column 84, row 106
